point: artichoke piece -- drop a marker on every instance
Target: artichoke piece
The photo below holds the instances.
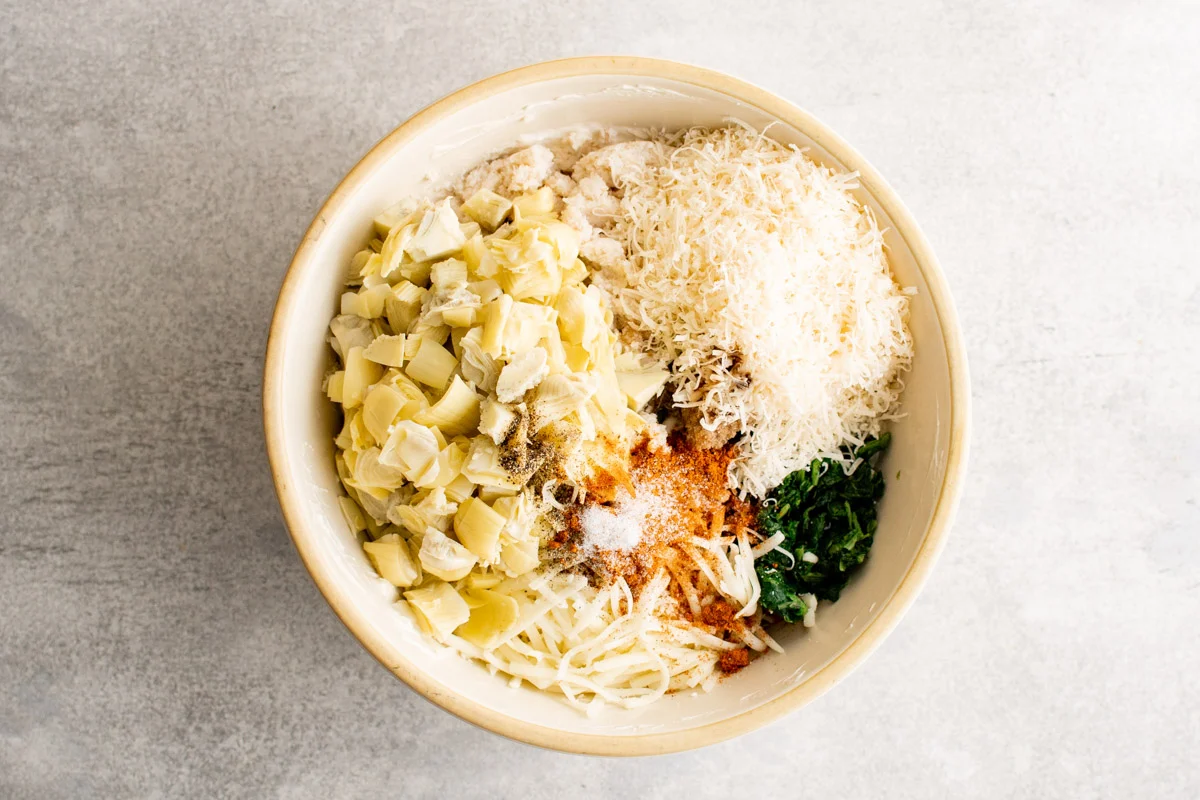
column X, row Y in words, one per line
column 559, row 395
column 480, row 261
column 431, row 510
column 350, row 330
column 445, row 558
column 360, row 373
column 457, row 412
column 535, row 204
column 460, row 317
column 460, row 488
column 527, row 324
column 381, row 406
column 495, row 319
column 495, row 420
column 367, row 302
column 448, row 274
column 439, row 609
column 519, row 557
column 491, row 620
column 392, row 255
column 483, row 467
column 387, row 350
column 432, row 365
column 478, row 528
column 411, row 448
column 393, row 560
column 521, row 374
column 334, row 384
column 438, row 234
column 371, row 473
column 403, row 305
column 394, row 216
column 639, row 387
column 487, row 208
column 353, row 514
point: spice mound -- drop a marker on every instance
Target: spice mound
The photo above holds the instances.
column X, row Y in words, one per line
column 656, row 518
column 630, row 524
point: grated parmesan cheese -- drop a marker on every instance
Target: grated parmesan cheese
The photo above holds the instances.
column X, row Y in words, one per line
column 760, row 277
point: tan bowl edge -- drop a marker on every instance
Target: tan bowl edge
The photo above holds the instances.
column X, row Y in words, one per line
column 870, row 637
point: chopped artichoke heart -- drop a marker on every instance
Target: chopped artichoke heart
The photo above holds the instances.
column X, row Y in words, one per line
column 350, row 330
column 495, row 320
column 478, row 528
column 519, row 557
column 445, row 558
column 491, row 619
column 352, row 514
column 572, row 306
column 527, row 324
column 439, row 609
column 486, row 289
column 490, row 494
column 535, row 204
column 461, row 487
column 481, row 263
column 457, row 412
column 487, row 208
column 448, row 274
column 556, row 354
column 353, row 303
column 358, row 266
column 410, row 448
column 372, row 300
column 387, row 350
column 476, row 365
column 414, row 398
column 360, row 434
column 334, row 384
column 463, row 326
column 559, row 395
column 382, row 404
column 393, row 560
column 641, row 386
column 536, row 279
column 483, row 466
column 392, row 255
column 438, row 234
column 521, row 374
column 371, row 473
column 394, row 216
column 360, row 374
column 495, row 419
column 460, row 317
column 432, row 365
column 403, row 305
column 450, row 462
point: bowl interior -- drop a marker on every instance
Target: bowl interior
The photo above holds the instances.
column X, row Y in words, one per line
column 438, row 147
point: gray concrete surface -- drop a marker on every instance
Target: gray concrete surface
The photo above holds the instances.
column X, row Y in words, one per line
column 158, row 163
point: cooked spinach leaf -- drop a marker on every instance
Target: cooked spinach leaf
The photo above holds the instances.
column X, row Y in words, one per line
column 822, row 512
column 779, row 596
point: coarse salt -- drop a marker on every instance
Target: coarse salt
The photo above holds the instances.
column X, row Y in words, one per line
column 622, row 526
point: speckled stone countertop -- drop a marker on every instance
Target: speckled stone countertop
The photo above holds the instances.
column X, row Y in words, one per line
column 159, row 161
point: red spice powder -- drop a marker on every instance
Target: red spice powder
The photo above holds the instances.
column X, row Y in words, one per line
column 687, row 491
column 733, row 660
column 687, row 487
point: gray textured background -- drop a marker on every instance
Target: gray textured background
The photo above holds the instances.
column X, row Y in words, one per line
column 158, row 163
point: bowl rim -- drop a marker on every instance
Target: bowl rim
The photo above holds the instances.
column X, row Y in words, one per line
column 867, row 639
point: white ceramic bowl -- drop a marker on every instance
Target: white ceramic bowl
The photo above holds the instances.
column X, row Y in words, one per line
column 928, row 453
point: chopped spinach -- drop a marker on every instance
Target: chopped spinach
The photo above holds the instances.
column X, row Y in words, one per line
column 823, row 511
column 779, row 596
